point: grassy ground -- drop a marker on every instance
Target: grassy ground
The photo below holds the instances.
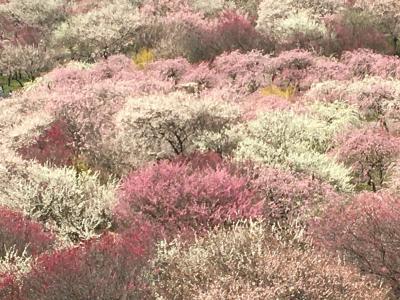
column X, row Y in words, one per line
column 14, row 85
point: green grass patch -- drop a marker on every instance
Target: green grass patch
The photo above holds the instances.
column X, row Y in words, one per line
column 14, row 84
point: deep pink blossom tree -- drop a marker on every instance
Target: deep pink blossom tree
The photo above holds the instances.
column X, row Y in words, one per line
column 54, row 146
column 355, row 29
column 16, row 230
column 111, row 267
column 234, row 31
column 179, row 196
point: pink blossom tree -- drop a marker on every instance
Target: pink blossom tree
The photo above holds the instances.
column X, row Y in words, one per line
column 371, row 153
column 366, row 231
column 19, row 232
column 178, row 196
column 111, row 267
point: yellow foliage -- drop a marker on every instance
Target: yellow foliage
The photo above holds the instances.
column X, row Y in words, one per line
column 274, row 90
column 143, row 57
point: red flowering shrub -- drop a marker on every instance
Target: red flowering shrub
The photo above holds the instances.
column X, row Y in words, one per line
column 54, row 146
column 16, row 230
column 371, row 153
column 109, row 268
column 366, row 231
column 234, row 31
column 357, row 29
column 9, row 289
column 179, row 196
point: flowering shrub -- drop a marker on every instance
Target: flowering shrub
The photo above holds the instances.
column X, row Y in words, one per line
column 289, row 68
column 245, row 261
column 292, row 24
column 159, row 126
column 115, row 31
column 143, row 57
column 19, row 232
column 245, row 72
column 34, row 12
column 294, row 141
column 53, row 146
column 211, row 8
column 187, row 34
column 386, row 12
column 234, row 31
column 276, row 91
column 371, row 154
column 377, row 98
column 364, row 62
column 180, row 196
column 366, row 231
column 353, row 29
column 325, row 69
column 169, row 69
column 75, row 207
column 8, row 287
column 200, row 78
column 288, row 196
column 112, row 267
column 88, row 111
column 22, row 63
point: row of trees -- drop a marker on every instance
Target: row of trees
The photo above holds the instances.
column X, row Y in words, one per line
column 216, row 172
column 39, row 34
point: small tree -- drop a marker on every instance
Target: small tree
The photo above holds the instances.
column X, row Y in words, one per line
column 371, row 154
column 38, row 13
column 22, row 63
column 353, row 29
column 169, row 125
column 99, row 33
column 366, row 231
